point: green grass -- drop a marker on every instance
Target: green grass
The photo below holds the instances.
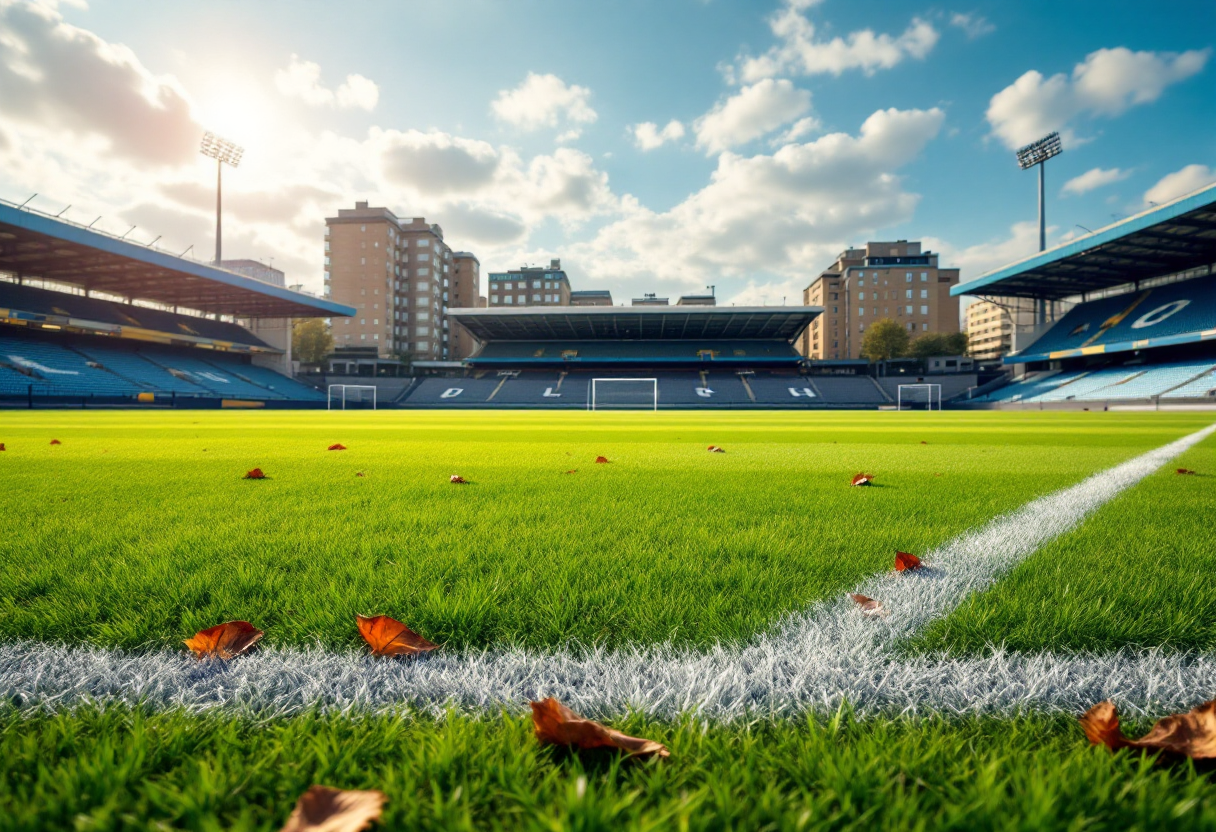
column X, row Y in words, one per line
column 129, row 770
column 1137, row 573
column 139, row 530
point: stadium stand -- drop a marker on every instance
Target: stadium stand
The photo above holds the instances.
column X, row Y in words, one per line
column 656, row 353
column 58, row 370
column 1203, row 386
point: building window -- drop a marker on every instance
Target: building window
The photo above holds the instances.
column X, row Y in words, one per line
column 924, row 327
column 424, row 243
column 535, row 284
column 424, row 346
column 860, row 311
column 861, row 295
column 422, row 316
column 423, row 286
column 363, row 322
column 908, row 294
column 911, row 326
column 507, row 286
column 362, row 261
column 422, row 330
column 509, row 299
column 375, row 322
column 423, row 257
column 861, row 282
column 535, row 297
column 909, row 308
column 924, row 310
column 494, row 299
column 363, row 228
column 924, row 277
column 924, row 294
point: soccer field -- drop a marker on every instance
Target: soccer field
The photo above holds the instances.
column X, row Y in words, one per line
column 694, row 597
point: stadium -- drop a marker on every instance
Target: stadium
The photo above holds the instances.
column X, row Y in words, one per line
column 612, row 567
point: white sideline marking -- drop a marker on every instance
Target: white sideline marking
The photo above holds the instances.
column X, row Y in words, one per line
column 812, row 661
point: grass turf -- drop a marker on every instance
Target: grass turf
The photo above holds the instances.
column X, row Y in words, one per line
column 1137, row 573
column 139, row 530
column 129, row 770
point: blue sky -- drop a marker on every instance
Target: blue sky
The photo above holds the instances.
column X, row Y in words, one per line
column 653, row 146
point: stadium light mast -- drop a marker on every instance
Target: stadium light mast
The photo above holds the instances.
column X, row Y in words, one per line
column 1037, row 154
column 223, row 152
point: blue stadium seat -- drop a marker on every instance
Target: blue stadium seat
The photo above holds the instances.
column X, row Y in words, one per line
column 220, row 382
column 61, row 371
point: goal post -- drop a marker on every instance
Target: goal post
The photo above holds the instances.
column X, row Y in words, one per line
column 623, row 394
column 917, row 393
column 354, row 393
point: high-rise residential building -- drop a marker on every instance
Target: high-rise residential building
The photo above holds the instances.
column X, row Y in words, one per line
column 893, row 280
column 591, row 297
column 989, row 330
column 397, row 274
column 465, row 293
column 530, row 286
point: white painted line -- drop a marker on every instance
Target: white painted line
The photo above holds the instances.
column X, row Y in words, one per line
column 812, row 661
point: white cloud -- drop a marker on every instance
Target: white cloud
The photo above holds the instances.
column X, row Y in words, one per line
column 798, row 130
column 973, row 25
column 784, row 214
column 436, row 163
column 56, row 77
column 799, row 52
column 1107, row 83
column 1180, row 182
column 302, row 80
column 570, row 135
column 543, row 101
column 973, row 261
column 1094, row 178
column 750, row 113
column 648, row 136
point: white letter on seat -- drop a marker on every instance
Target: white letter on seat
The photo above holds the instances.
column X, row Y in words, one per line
column 704, row 392
column 451, row 393
column 798, row 392
column 549, row 394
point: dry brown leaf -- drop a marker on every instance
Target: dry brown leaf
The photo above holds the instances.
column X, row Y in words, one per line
column 601, row 459
column 923, row 442
column 360, row 474
column 869, row 606
column 556, row 724
column 905, row 560
column 1186, row 471
column 224, row 641
column 389, row 637
column 337, row 446
column 714, row 449
column 1192, row 734
column 459, row 480
column 863, row 479
column 56, row 442
column 2, row 448
column 255, row 474
column 322, row 809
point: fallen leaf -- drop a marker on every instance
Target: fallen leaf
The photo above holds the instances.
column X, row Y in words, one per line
column 336, row 447
column 601, row 459
column 459, row 480
column 224, row 641
column 1192, row 734
column 558, row 725
column 572, row 471
column 923, row 442
column 869, row 606
column 359, row 474
column 2, row 448
column 56, row 442
column 1186, row 471
column 389, row 637
column 255, row 474
column 322, row 809
column 937, row 475
column 714, row 449
column 904, row 561
column 863, row 479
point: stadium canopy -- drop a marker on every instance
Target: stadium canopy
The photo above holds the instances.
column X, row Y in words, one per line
column 636, row 323
column 36, row 245
column 1171, row 238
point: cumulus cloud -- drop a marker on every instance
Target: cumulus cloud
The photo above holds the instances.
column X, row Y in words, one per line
column 1107, row 83
column 543, row 101
column 1092, row 179
column 436, row 163
column 981, row 258
column 800, row 51
column 57, row 77
column 973, row 25
column 648, row 136
column 567, row 184
column 750, row 113
column 786, row 213
column 302, row 79
column 1179, row 183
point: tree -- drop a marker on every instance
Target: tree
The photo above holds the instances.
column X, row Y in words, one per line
column 938, row 343
column 884, row 340
column 311, row 340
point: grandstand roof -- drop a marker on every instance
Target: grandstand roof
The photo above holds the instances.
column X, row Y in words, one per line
column 33, row 244
column 1174, row 237
column 589, row 323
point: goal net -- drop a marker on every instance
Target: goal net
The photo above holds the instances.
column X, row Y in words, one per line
column 914, row 396
column 623, row 394
column 343, row 396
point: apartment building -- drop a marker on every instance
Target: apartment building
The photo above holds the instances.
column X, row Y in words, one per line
column 530, row 286
column 893, row 280
column 591, row 297
column 465, row 293
column 989, row 330
column 397, row 274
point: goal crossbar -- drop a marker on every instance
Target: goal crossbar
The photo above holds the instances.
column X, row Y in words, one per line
column 928, row 388
column 592, row 401
column 329, row 394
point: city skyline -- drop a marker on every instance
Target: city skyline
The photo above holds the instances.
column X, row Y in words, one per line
column 651, row 150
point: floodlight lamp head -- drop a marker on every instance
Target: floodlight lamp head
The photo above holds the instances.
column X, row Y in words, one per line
column 221, row 149
column 1038, row 152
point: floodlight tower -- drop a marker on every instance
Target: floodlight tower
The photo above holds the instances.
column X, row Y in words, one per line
column 223, row 152
column 1037, row 153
